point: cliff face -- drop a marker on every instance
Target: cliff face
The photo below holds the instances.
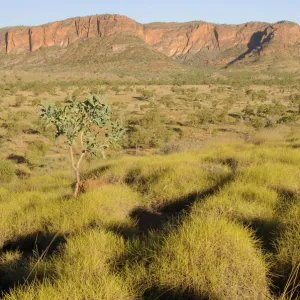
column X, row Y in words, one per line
column 63, row 33
column 171, row 39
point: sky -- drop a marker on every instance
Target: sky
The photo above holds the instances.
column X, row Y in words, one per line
column 37, row 12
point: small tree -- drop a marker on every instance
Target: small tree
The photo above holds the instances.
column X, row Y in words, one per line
column 79, row 121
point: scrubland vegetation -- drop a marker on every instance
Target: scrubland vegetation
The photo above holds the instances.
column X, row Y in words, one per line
column 200, row 200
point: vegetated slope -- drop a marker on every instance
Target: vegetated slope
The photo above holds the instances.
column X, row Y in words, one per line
column 216, row 223
column 113, row 53
column 121, row 54
column 195, row 43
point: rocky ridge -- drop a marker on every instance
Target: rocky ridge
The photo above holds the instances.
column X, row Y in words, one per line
column 177, row 40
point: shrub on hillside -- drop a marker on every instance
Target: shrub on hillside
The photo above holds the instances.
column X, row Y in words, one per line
column 257, row 122
column 146, row 94
column 7, row 171
column 149, row 131
column 36, row 151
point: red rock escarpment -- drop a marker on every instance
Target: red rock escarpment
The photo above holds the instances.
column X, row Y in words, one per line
column 172, row 39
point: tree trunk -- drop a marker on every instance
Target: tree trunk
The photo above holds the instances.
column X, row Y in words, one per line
column 76, row 170
column 77, row 185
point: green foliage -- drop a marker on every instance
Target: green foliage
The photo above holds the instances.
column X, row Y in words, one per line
column 75, row 118
column 275, row 109
column 206, row 116
column 84, row 121
column 257, row 122
column 149, row 131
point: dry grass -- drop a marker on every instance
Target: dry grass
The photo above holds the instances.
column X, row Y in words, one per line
column 228, row 227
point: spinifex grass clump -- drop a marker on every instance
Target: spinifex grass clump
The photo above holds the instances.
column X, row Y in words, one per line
column 228, row 228
column 81, row 121
column 83, row 271
column 288, row 254
column 211, row 257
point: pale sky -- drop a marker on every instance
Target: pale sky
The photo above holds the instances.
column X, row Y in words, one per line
column 37, row 12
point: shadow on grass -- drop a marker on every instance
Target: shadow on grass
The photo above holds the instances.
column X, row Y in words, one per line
column 99, row 171
column 140, row 99
column 284, row 270
column 31, row 248
column 268, row 233
column 18, row 159
column 265, row 231
column 166, row 293
column 149, row 220
column 158, row 223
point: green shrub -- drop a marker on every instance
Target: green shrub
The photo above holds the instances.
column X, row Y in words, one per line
column 146, row 94
column 150, row 131
column 116, row 89
column 35, row 102
column 36, row 151
column 257, row 122
column 7, row 171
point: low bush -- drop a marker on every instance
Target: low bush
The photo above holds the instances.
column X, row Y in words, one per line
column 20, row 100
column 36, row 152
column 7, row 171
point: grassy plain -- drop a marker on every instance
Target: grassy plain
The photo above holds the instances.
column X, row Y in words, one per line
column 201, row 201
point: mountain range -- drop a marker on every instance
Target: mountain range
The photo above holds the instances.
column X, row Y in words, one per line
column 194, row 43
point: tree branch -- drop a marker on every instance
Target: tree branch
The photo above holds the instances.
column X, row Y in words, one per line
column 81, row 140
column 80, row 159
column 72, row 159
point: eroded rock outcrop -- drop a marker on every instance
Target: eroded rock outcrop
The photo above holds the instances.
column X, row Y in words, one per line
column 172, row 39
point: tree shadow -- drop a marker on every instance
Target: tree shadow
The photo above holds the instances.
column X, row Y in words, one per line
column 141, row 182
column 150, row 219
column 140, row 98
column 31, row 131
column 284, row 270
column 99, row 171
column 287, row 195
column 168, row 293
column 30, row 247
column 154, row 222
column 265, row 231
column 268, row 232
